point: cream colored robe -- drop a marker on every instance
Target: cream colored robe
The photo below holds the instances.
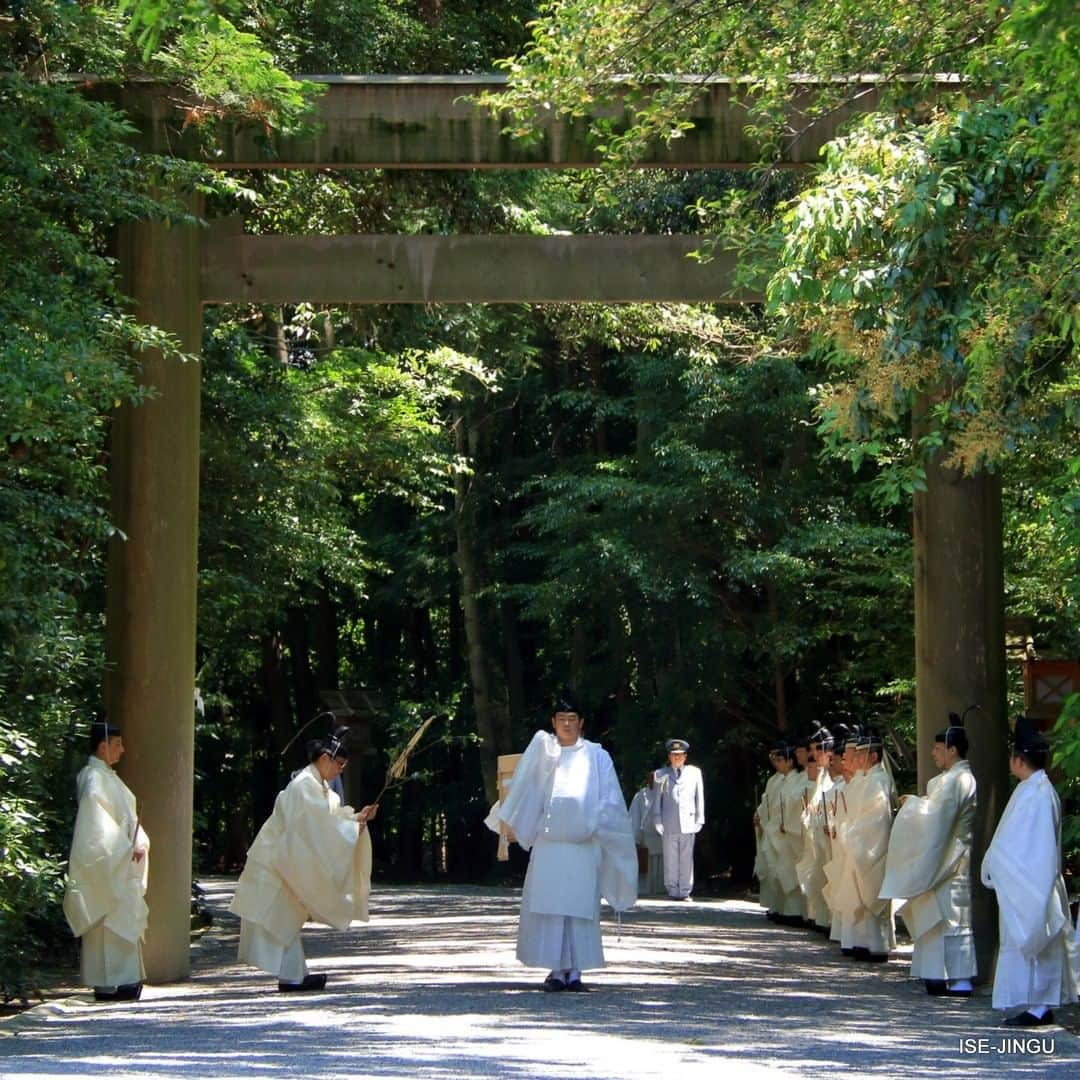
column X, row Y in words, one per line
column 929, row 867
column 1037, row 960
column 769, row 896
column 104, row 898
column 310, row 861
column 782, row 839
column 835, row 813
column 566, row 808
column 817, row 851
column 867, row 842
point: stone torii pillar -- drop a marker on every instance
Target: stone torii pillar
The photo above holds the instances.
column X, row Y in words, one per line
column 150, row 614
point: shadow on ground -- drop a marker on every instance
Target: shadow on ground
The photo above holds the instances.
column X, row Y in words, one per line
column 430, row 988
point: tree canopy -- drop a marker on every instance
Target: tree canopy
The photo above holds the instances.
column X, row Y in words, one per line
column 453, row 511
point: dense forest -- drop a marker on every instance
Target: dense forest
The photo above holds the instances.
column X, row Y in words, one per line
column 697, row 517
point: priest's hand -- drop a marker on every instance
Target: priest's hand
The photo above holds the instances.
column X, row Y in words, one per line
column 366, row 813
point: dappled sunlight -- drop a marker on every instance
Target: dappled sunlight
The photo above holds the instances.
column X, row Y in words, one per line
column 430, row 988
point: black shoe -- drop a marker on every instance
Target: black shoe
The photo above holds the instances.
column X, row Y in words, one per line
column 1026, row 1019
column 311, row 982
column 950, row 992
column 124, row 992
column 847, row 952
column 555, row 986
column 576, row 986
column 935, row 987
column 875, row 957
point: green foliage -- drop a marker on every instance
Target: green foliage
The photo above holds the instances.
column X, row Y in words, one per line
column 1066, row 761
column 907, row 265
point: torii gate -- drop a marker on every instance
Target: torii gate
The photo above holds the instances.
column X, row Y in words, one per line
column 426, row 122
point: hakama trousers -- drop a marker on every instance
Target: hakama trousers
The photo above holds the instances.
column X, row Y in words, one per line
column 107, row 960
column 260, row 950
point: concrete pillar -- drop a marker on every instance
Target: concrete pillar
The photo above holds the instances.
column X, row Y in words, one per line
column 154, row 476
column 960, row 649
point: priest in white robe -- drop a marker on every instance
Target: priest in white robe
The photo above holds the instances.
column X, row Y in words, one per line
column 817, row 846
column 310, row 861
column 782, row 836
column 565, row 806
column 646, row 836
column 1037, row 963
column 104, row 898
column 929, row 868
column 769, row 894
column 866, row 837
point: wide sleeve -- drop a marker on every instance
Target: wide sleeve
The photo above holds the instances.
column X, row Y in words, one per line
column 1022, row 865
column 102, row 877
column 618, row 856
column 923, row 847
column 523, row 807
column 316, row 853
column 867, row 840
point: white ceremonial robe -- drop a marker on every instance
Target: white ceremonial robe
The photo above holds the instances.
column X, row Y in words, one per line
column 310, row 861
column 1037, row 961
column 641, row 807
column 836, row 810
column 783, row 840
column 678, row 816
column 566, row 808
column 866, row 839
column 104, row 899
column 817, row 851
column 769, row 895
column 929, row 867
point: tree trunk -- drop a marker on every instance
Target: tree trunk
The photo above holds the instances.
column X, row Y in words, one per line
column 489, row 698
column 960, row 649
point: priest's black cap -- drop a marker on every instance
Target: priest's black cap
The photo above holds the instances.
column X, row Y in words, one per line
column 565, row 702
column 100, row 731
column 1026, row 737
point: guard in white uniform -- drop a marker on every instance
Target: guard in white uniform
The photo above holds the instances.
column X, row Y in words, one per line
column 678, row 815
column 104, row 897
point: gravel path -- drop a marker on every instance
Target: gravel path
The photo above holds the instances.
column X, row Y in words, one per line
column 430, row 988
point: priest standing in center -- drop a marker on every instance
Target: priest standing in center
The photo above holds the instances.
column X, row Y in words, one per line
column 565, row 804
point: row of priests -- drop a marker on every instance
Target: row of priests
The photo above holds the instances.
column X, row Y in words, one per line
column 831, row 855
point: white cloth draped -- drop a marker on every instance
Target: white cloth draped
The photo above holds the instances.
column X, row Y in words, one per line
column 104, row 898
column 310, row 860
column 1037, row 956
column 817, row 850
column 647, row 837
column 929, row 867
column 769, row 896
column 566, row 808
